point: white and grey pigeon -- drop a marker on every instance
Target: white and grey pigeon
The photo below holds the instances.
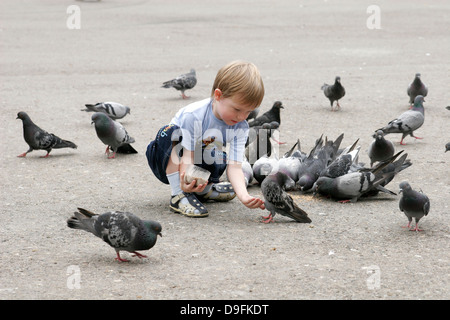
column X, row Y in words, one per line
column 334, row 92
column 123, row 231
column 38, row 139
column 413, row 204
column 114, row 110
column 416, row 88
column 113, row 134
column 408, row 122
column 182, row 82
column 277, row 200
column 351, row 186
column 264, row 166
column 291, row 162
column 380, row 149
column 247, row 171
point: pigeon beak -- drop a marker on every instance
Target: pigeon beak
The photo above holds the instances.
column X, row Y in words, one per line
column 160, row 234
column 400, row 191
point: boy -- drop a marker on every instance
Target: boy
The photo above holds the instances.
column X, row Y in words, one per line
column 197, row 135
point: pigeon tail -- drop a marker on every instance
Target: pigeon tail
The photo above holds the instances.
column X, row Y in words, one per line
column 65, row 144
column 168, row 84
column 299, row 215
column 126, row 149
column 89, row 108
column 76, row 221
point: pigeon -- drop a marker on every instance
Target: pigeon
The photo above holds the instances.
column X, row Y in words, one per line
column 123, row 231
column 296, row 152
column 113, row 134
column 277, row 200
column 408, row 122
column 394, row 167
column 319, row 158
column 447, row 107
column 291, row 162
column 334, row 92
column 113, row 109
column 38, row 139
column 343, row 164
column 182, row 83
column 380, row 149
column 248, row 172
column 413, row 204
column 253, row 114
column 267, row 117
column 447, row 146
column 260, row 142
column 264, row 166
column 416, row 88
column 351, row 186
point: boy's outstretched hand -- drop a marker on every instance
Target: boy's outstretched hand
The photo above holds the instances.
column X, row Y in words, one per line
column 253, row 202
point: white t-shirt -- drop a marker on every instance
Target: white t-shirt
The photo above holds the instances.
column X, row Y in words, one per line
column 200, row 127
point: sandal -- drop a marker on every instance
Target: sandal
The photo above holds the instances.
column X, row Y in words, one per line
column 224, row 192
column 188, row 209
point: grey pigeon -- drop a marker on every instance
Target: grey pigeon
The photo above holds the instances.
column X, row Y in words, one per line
column 38, row 139
column 123, row 231
column 343, row 164
column 182, row 83
column 380, row 149
column 269, row 116
column 408, row 122
column 447, row 107
column 447, row 146
column 334, row 92
column 416, row 88
column 278, row 201
column 351, row 186
column 390, row 171
column 413, row 204
column 113, row 134
column 296, row 152
column 320, row 157
column 113, row 109
column 253, row 114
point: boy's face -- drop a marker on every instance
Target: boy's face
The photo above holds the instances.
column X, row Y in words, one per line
column 230, row 110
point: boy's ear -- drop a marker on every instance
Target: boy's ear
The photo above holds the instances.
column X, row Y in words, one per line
column 218, row 94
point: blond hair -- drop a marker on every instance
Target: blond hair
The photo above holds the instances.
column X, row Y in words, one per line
column 242, row 79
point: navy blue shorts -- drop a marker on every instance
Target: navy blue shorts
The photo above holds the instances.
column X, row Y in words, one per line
column 159, row 151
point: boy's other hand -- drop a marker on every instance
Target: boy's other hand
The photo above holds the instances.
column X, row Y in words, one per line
column 190, row 187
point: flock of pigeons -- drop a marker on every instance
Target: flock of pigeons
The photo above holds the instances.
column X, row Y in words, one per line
column 332, row 171
column 327, row 169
